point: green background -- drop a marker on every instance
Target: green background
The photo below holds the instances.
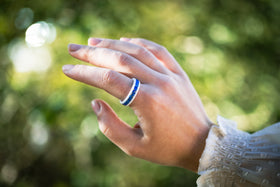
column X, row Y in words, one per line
column 48, row 133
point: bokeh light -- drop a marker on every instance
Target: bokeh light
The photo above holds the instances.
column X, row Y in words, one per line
column 190, row 44
column 89, row 127
column 26, row 59
column 9, row 173
column 40, row 33
column 39, row 134
column 221, row 34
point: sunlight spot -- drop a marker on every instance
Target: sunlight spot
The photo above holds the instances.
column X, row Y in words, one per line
column 208, row 62
column 26, row 59
column 40, row 33
column 9, row 173
column 221, row 34
column 189, row 44
column 39, row 134
column 255, row 120
column 89, row 127
column 8, row 108
column 193, row 45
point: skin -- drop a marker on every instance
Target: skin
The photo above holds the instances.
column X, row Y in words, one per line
column 172, row 125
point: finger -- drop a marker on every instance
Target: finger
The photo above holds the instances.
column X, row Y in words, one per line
column 115, row 60
column 159, row 51
column 111, row 81
column 137, row 51
column 116, row 130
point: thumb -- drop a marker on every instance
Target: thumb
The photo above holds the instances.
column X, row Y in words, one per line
column 121, row 134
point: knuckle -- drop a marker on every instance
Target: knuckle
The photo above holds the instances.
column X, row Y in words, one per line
column 123, row 58
column 159, row 49
column 107, row 43
column 138, row 40
column 109, row 77
column 167, row 83
column 141, row 51
column 105, row 130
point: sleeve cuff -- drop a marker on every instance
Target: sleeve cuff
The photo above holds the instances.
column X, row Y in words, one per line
column 235, row 158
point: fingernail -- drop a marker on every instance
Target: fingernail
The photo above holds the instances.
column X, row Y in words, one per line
column 125, row 39
column 94, row 41
column 74, row 47
column 67, row 68
column 96, row 106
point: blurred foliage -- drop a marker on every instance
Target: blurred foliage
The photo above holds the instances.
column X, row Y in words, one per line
column 48, row 133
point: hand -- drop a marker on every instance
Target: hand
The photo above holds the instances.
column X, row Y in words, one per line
column 172, row 125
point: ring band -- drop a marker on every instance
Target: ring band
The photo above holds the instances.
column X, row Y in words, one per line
column 132, row 93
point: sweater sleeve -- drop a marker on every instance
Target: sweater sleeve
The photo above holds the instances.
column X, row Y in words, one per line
column 235, row 158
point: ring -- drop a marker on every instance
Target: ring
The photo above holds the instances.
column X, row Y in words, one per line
column 132, row 93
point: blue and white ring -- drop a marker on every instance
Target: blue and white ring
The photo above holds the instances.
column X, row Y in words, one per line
column 132, row 93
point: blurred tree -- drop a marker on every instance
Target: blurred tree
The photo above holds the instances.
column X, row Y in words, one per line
column 48, row 134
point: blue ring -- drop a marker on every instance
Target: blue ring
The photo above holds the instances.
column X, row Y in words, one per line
column 133, row 93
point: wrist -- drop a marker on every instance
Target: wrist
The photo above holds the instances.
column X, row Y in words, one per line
column 201, row 142
column 198, row 144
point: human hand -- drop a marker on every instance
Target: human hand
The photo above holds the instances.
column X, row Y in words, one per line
column 172, row 125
